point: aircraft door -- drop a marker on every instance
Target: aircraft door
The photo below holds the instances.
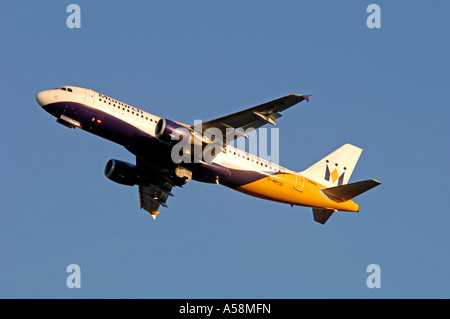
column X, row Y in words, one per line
column 89, row 97
column 299, row 183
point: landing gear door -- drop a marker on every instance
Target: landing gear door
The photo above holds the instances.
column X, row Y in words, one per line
column 89, row 97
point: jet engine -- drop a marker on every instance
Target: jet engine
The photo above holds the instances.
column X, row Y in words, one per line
column 123, row 173
column 170, row 132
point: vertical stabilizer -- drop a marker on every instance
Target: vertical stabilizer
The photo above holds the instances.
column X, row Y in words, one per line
column 336, row 168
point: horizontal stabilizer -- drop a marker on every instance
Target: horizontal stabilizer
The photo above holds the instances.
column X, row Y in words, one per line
column 321, row 215
column 348, row 191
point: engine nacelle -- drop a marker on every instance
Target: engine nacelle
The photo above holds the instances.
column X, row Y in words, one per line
column 123, row 173
column 171, row 133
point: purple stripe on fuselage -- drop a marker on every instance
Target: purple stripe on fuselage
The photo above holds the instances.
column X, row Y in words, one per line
column 97, row 122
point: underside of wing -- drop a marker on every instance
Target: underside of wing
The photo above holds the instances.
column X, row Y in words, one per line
column 158, row 189
column 151, row 197
column 253, row 117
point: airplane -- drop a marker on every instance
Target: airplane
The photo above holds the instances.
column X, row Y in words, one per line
column 323, row 186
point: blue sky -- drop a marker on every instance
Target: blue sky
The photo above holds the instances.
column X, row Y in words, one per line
column 385, row 90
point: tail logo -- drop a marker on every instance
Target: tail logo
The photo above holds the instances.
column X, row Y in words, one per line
column 334, row 175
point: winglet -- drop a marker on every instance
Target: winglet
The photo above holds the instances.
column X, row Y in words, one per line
column 154, row 213
column 306, row 97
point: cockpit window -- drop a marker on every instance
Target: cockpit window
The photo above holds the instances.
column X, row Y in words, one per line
column 69, row 89
column 62, row 88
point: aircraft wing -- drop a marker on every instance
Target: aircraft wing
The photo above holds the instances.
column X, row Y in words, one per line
column 254, row 117
column 151, row 197
column 157, row 192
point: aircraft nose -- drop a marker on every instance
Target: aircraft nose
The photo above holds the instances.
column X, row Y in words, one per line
column 43, row 97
